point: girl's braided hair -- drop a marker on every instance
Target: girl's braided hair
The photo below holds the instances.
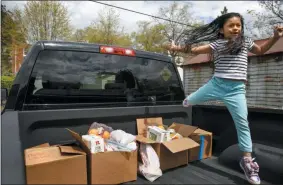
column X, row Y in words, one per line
column 211, row 32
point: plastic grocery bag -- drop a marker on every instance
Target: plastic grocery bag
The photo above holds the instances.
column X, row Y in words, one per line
column 98, row 125
column 150, row 168
column 122, row 137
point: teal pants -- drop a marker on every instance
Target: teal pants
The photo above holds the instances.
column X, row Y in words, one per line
column 233, row 94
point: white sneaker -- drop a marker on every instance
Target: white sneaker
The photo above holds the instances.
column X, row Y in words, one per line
column 251, row 170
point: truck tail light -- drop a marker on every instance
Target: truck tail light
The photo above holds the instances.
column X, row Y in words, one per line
column 117, row 51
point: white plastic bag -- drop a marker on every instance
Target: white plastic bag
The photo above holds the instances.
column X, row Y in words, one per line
column 132, row 146
column 122, row 137
column 150, row 168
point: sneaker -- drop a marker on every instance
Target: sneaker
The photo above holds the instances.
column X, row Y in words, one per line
column 186, row 103
column 251, row 170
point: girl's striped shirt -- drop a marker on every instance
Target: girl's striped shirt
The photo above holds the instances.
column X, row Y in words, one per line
column 231, row 66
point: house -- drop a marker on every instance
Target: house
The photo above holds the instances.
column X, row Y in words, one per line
column 265, row 76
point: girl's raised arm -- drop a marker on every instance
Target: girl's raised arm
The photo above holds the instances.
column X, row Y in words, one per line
column 186, row 49
column 256, row 49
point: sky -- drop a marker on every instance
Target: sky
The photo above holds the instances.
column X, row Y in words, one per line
column 82, row 13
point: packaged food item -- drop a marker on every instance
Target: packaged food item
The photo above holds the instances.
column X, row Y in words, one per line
column 102, row 138
column 96, row 125
column 100, row 129
column 157, row 134
column 99, row 132
column 175, row 136
column 171, row 131
column 94, row 143
column 119, row 147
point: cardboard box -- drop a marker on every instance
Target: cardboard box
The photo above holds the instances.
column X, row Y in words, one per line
column 204, row 151
column 47, row 164
column 173, row 153
column 109, row 167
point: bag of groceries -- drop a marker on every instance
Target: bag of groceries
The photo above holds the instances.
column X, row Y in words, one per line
column 150, row 166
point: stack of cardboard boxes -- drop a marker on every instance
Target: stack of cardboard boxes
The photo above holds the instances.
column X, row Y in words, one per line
column 57, row 164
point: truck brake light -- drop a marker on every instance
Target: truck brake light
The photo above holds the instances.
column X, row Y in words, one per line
column 117, row 51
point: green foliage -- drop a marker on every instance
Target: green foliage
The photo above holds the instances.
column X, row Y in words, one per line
column 46, row 20
column 11, row 35
column 176, row 12
column 7, row 81
column 149, row 36
column 106, row 29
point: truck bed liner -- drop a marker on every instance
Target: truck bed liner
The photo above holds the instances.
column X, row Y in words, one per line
column 207, row 171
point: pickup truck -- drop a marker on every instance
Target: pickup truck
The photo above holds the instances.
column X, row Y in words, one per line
column 70, row 85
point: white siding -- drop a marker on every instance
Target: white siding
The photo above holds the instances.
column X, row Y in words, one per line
column 195, row 76
column 265, row 81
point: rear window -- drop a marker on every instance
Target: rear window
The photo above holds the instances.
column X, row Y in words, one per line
column 63, row 77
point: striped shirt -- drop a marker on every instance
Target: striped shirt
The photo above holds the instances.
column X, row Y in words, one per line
column 230, row 66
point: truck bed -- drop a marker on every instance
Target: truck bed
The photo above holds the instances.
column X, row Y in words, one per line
column 26, row 129
column 207, row 171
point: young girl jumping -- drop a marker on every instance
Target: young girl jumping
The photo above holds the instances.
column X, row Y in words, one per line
column 229, row 49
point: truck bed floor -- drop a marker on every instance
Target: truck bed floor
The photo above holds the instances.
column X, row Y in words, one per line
column 207, row 171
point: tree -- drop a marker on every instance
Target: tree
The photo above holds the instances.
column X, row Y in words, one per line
column 107, row 25
column 46, row 20
column 106, row 29
column 12, row 36
column 172, row 29
column 149, row 36
column 224, row 11
column 79, row 36
column 6, row 39
column 262, row 27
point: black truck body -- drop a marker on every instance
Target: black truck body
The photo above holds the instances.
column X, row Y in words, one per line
column 34, row 117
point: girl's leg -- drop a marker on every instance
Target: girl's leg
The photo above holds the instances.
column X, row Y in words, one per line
column 237, row 106
column 238, row 109
column 205, row 93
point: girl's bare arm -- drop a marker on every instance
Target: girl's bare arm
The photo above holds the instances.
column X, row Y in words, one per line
column 195, row 50
column 259, row 50
column 278, row 32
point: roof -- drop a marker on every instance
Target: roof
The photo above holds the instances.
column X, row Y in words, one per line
column 204, row 58
column 94, row 47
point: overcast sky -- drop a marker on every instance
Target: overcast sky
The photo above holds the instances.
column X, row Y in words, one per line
column 82, row 13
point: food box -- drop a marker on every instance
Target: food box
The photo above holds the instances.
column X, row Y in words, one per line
column 47, row 164
column 172, row 153
column 110, row 167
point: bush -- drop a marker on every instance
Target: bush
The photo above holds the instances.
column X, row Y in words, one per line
column 7, row 81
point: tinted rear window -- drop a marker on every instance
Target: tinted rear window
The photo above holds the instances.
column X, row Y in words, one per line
column 62, row 77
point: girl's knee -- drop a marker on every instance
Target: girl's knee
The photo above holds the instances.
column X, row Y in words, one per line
column 190, row 100
column 186, row 103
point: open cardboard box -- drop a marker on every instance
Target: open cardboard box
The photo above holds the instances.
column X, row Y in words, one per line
column 47, row 164
column 171, row 153
column 204, row 151
column 109, row 167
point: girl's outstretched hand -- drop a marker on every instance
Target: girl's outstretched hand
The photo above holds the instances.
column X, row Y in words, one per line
column 278, row 31
column 172, row 46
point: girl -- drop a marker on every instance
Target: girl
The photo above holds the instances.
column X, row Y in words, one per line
column 230, row 49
